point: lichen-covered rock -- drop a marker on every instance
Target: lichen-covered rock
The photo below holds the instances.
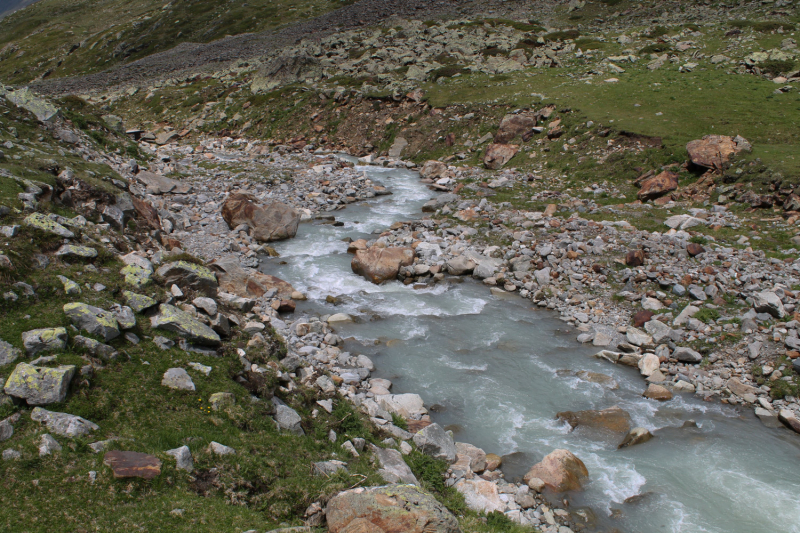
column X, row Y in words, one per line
column 96, row 348
column 39, row 107
column 40, row 221
column 185, row 274
column 137, row 275
column 63, row 424
column 44, row 340
column 388, row 509
column 93, row 319
column 70, row 287
column 124, row 315
column 73, row 250
column 171, row 318
column 8, row 353
column 39, row 385
column 139, row 302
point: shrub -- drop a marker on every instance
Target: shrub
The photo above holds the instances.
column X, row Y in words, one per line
column 775, row 67
column 707, row 315
column 562, row 35
column 399, row 421
column 447, row 72
column 657, row 48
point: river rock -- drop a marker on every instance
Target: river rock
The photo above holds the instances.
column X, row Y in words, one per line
column 39, row 385
column 480, row 495
column 177, row 379
column 476, row 456
column 657, row 392
column 789, row 420
column 381, row 264
column 44, row 340
column 460, row 265
column 185, row 274
column 497, row 155
column 274, row 221
column 613, row 419
column 171, row 318
column 636, row 436
column 687, row 355
column 560, row 470
column 649, row 364
column 393, row 467
column 248, row 283
column 388, row 509
column 433, row 170
column 407, row 405
column 658, row 185
column 63, row 424
column 132, row 464
column 93, row 319
column 435, row 442
column 740, row 389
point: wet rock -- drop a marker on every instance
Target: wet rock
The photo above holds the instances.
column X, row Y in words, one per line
column 189, row 275
column 183, row 458
column 435, row 442
column 393, row 468
column 657, row 186
column 132, row 464
column 177, row 379
column 63, row 424
column 560, row 470
column 171, row 318
column 601, row 379
column 613, row 419
column 39, row 385
column 272, row 222
column 497, row 155
column 381, row 264
column 636, row 436
column 388, row 509
column 44, row 340
column 657, row 392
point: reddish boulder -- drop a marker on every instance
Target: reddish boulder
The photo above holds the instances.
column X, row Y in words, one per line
column 560, row 470
column 695, row 249
column 248, row 283
column 272, row 222
column 433, row 170
column 658, row 185
column 497, row 155
column 641, row 318
column 147, row 212
column 513, row 126
column 714, row 151
column 613, row 419
column 635, row 258
column 381, row 264
column 133, row 464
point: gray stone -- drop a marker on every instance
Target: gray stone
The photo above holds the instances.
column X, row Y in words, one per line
column 637, row 337
column 178, row 379
column 63, row 424
column 658, row 330
column 183, row 458
column 768, row 302
column 39, row 385
column 220, row 449
column 687, row 355
column 96, row 348
column 93, row 319
column 124, row 315
column 44, row 340
column 8, row 353
column 287, row 418
column 393, row 468
column 171, row 318
column 432, row 440
column 6, row 430
column 327, row 468
column 11, row 455
column 208, row 305
column 48, row 445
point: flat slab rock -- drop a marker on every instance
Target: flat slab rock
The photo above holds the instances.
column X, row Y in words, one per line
column 132, row 464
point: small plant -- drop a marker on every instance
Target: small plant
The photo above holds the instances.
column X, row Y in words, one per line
column 657, row 48
column 698, row 239
column 775, row 67
column 399, row 421
column 499, row 520
column 707, row 315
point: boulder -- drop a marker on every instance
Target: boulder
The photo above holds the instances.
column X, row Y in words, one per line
column 287, row 418
column 42, row 109
column 248, row 283
column 406, row 405
column 189, row 275
column 658, row 185
column 388, row 509
column 393, row 468
column 39, row 385
column 147, row 212
column 560, row 470
column 44, row 223
column 497, row 155
column 171, row 318
column 477, row 457
column 613, row 419
column 93, row 319
column 63, row 424
column 158, row 184
column 635, row 258
column 8, row 353
column 73, row 250
column 740, row 389
column 480, row 495
column 177, row 379
column 687, row 355
column 132, row 464
column 183, row 458
column 657, row 392
column 694, row 249
column 789, row 420
column 435, row 442
column 138, row 302
column 96, row 348
column 648, row 364
column 513, row 126
column 44, row 340
column 381, row 264
column 636, row 436
column 460, row 265
column 714, row 151
column 768, row 302
column 272, row 222
column 433, row 170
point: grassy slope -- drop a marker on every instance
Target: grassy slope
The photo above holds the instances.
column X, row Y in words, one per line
column 65, row 37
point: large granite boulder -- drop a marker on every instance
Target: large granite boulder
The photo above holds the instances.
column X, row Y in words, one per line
column 93, row 319
column 388, row 509
column 271, row 222
column 381, row 264
column 560, row 470
column 63, row 424
column 39, row 385
column 714, row 151
column 171, row 318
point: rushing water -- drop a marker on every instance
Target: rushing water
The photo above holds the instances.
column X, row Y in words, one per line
column 498, row 371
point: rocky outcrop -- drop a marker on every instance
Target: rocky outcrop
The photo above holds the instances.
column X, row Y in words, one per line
column 272, row 222
column 497, row 155
column 714, row 151
column 560, row 471
column 381, row 264
column 389, row 509
column 658, row 185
